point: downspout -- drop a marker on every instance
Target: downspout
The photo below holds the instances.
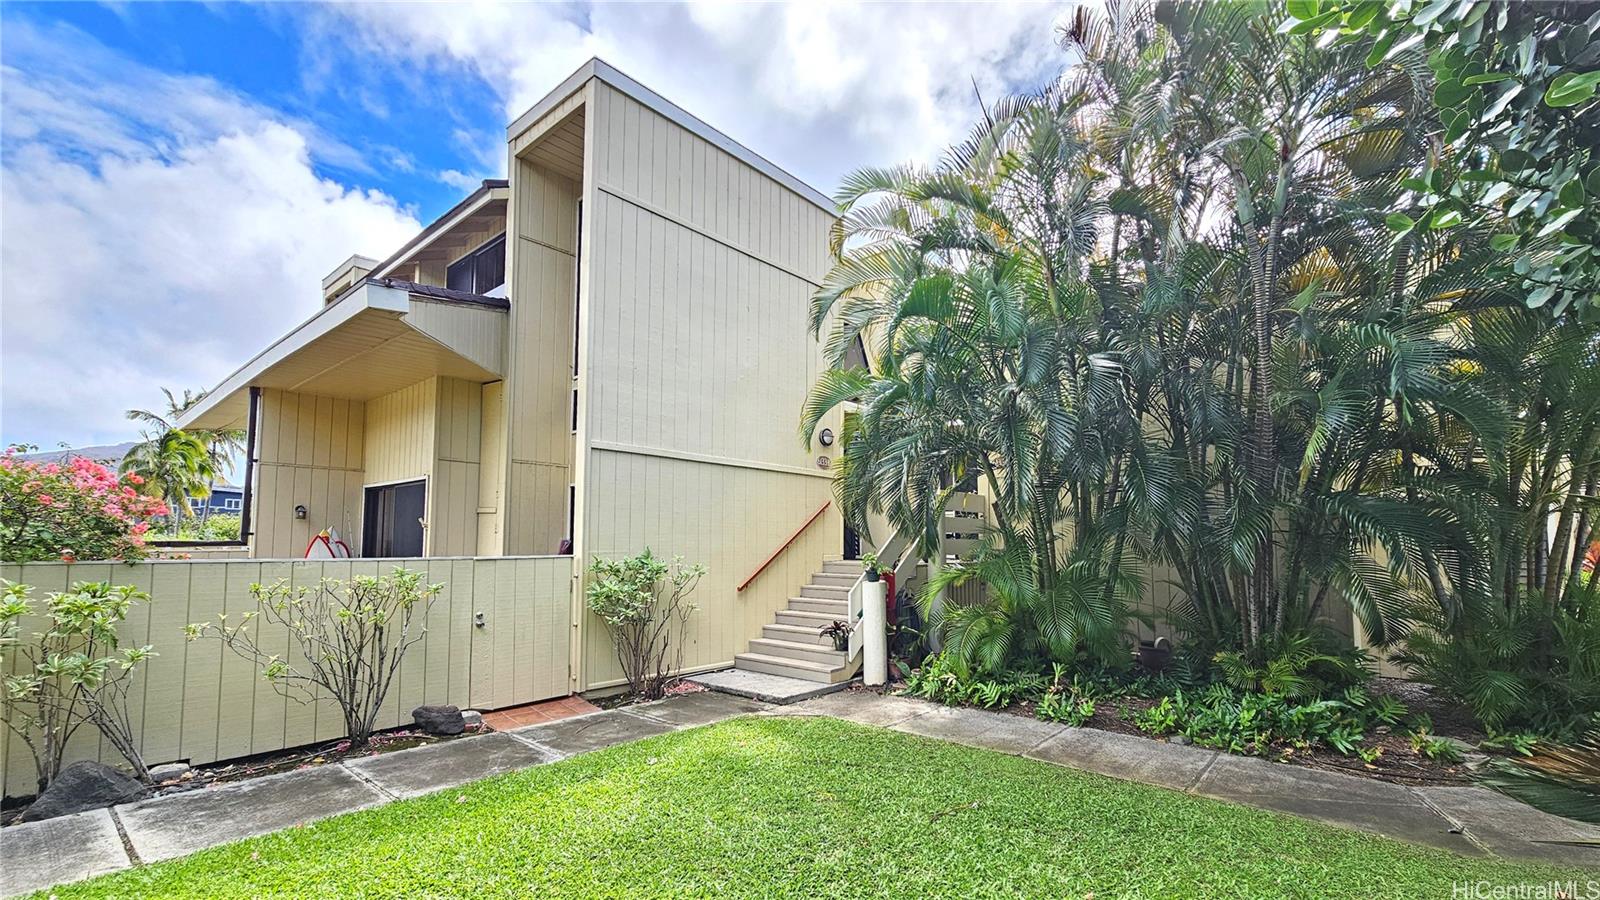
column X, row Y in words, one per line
column 249, row 471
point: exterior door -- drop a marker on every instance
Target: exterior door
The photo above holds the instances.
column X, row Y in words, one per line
column 852, row 543
column 392, row 525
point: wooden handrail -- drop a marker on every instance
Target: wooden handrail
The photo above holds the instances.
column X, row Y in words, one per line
column 792, row 538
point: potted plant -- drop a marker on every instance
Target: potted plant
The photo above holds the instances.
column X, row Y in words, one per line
column 840, row 632
column 869, row 562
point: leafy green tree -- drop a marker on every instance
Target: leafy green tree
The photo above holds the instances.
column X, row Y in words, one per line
column 1517, row 86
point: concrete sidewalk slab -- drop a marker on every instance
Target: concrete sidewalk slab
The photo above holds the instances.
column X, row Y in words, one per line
column 423, row 770
column 1365, row 804
column 977, row 728
column 777, row 689
column 1246, row 778
column 688, row 710
column 178, row 824
column 1126, row 756
column 1508, row 827
column 861, row 707
column 37, row 855
column 570, row 737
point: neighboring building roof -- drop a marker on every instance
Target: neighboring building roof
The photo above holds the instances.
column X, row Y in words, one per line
column 599, row 68
column 110, row 454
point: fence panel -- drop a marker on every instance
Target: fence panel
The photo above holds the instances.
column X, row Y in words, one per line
column 199, row 702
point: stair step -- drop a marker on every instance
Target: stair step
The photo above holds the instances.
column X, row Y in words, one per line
column 842, row 567
column 806, row 619
column 835, row 579
column 797, row 650
column 804, row 634
column 836, row 608
column 791, row 668
column 825, row 591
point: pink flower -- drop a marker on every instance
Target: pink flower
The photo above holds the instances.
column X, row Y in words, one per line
column 134, row 479
column 47, row 500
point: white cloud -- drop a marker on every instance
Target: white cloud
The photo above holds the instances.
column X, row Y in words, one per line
column 155, row 230
column 819, row 88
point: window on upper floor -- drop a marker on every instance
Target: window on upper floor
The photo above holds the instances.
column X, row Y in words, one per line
column 480, row 271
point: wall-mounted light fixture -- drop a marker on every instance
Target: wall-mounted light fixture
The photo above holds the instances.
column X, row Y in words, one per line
column 300, row 511
column 826, row 437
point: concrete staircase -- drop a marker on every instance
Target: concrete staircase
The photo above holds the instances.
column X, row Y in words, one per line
column 792, row 646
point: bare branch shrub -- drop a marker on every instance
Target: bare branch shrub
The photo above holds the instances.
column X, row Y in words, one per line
column 352, row 635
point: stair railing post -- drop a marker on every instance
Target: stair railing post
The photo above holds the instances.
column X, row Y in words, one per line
column 875, row 637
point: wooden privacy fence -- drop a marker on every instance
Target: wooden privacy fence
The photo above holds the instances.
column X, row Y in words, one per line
column 199, row 702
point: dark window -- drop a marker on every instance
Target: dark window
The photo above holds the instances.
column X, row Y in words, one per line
column 480, row 271
column 392, row 523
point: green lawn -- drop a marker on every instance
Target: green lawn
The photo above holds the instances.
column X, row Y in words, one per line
column 792, row 807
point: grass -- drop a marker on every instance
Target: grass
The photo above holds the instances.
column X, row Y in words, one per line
column 794, row 807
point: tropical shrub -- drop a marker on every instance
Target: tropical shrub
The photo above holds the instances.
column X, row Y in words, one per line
column 351, row 635
column 944, row 679
column 1236, row 721
column 76, row 510
column 1528, row 668
column 1310, row 664
column 1559, row 779
column 74, row 673
column 216, row 527
column 644, row 601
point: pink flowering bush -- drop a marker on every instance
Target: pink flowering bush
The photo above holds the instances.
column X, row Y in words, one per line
column 79, row 510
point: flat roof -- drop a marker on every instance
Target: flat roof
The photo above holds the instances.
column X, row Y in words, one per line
column 604, row 71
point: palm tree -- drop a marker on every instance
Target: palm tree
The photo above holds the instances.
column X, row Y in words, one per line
column 175, row 466
column 221, row 444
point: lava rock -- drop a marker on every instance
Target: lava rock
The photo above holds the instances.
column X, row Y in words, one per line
column 168, row 772
column 439, row 719
column 83, row 786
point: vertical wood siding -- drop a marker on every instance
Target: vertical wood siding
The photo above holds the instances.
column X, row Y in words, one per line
column 311, row 453
column 492, row 469
column 697, row 359
column 197, row 701
column 730, row 519
column 544, row 218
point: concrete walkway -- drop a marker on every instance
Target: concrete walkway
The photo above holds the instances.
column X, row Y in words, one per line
column 1467, row 820
column 38, row 855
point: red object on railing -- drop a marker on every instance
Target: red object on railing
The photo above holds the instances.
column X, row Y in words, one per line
column 888, row 592
column 785, row 545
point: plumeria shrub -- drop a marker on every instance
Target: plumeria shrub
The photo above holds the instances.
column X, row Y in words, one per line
column 71, row 673
column 76, row 510
column 351, row 636
column 644, row 601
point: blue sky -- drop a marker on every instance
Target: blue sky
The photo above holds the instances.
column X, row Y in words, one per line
column 175, row 177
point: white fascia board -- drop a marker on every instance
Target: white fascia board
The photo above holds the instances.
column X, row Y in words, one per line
column 330, row 317
column 604, row 71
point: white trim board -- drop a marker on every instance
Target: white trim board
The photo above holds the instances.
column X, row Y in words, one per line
column 604, row 71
